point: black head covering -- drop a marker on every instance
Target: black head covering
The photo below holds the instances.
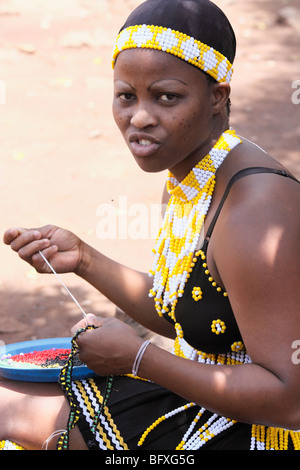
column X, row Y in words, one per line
column 200, row 19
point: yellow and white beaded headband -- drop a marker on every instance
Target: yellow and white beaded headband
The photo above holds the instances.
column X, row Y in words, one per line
column 195, row 52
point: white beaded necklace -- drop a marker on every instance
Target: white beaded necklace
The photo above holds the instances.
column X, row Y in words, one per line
column 179, row 235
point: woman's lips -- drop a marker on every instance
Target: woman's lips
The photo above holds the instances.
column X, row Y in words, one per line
column 142, row 146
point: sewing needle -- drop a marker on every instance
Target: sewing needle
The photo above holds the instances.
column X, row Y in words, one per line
column 63, row 284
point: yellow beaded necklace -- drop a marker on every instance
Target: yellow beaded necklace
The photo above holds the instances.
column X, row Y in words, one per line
column 179, row 236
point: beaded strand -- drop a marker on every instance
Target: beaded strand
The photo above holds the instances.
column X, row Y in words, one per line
column 65, row 380
column 214, row 426
column 180, row 409
column 107, row 392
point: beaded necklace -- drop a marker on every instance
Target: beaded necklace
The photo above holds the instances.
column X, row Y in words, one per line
column 179, row 236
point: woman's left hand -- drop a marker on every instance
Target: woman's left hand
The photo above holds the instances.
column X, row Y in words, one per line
column 111, row 348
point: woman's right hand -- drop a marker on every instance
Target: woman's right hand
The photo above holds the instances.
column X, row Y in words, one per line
column 62, row 248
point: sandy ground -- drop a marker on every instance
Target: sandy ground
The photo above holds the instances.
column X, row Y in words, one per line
column 62, row 157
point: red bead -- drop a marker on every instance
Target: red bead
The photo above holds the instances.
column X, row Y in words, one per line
column 46, row 356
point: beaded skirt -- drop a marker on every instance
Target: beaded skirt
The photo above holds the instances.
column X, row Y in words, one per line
column 142, row 415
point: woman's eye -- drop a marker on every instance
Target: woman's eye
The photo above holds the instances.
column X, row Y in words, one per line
column 125, row 96
column 168, row 97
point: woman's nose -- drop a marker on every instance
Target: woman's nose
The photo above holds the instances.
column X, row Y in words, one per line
column 142, row 117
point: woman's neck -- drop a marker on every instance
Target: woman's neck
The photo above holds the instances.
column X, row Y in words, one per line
column 181, row 170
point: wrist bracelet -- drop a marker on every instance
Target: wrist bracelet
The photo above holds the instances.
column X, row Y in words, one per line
column 139, row 357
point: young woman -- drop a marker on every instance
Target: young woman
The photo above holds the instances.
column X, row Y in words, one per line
column 225, row 277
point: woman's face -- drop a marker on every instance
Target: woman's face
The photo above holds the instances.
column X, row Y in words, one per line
column 163, row 108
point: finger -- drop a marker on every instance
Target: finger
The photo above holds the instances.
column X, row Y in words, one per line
column 38, row 261
column 93, row 319
column 26, row 252
column 23, row 238
column 81, row 324
column 90, row 319
column 12, row 233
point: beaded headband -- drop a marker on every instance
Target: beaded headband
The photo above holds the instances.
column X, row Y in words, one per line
column 181, row 45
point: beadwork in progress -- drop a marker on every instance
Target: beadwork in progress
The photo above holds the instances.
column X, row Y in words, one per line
column 40, row 359
column 181, row 45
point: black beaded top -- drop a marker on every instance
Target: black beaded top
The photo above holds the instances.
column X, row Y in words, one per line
column 205, row 314
column 204, row 311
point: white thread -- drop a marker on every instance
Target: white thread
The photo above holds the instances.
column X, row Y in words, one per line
column 63, row 284
column 54, row 434
column 139, row 357
column 253, row 143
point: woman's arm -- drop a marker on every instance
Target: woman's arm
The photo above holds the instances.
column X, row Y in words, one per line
column 125, row 287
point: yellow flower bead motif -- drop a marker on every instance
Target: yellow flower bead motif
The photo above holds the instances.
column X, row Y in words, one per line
column 218, row 326
column 197, row 294
column 237, row 346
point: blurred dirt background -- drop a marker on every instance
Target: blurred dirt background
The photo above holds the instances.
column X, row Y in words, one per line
column 61, row 155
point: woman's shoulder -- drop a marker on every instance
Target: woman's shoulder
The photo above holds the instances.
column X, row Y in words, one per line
column 258, row 177
column 258, row 204
column 249, row 154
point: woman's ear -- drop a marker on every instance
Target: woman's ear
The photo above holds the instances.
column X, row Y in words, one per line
column 220, row 96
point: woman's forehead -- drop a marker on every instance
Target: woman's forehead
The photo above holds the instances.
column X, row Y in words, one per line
column 154, row 62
